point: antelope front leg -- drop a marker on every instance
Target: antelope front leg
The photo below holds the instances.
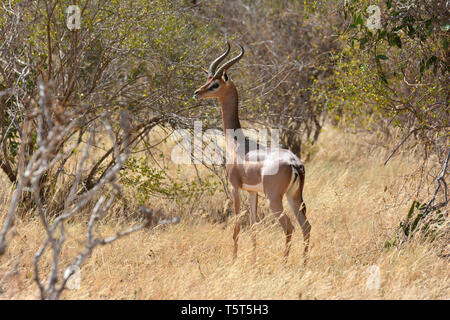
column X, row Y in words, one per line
column 253, row 212
column 237, row 202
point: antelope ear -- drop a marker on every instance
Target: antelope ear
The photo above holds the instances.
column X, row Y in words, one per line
column 225, row 76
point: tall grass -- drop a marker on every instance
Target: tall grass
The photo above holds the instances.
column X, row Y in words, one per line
column 354, row 205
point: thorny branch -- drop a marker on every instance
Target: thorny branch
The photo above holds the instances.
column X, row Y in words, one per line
column 441, row 182
column 53, row 129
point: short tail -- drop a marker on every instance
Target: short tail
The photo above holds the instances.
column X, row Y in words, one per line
column 299, row 172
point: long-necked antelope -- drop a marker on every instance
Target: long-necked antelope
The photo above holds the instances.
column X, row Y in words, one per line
column 255, row 173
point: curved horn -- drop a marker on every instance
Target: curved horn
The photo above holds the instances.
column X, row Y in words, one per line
column 228, row 65
column 213, row 66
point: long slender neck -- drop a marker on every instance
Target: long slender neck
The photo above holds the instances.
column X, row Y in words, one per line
column 229, row 104
column 230, row 120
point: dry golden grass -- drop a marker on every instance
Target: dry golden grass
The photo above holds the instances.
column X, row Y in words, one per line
column 354, row 205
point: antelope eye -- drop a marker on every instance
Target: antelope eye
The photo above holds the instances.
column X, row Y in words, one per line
column 214, row 86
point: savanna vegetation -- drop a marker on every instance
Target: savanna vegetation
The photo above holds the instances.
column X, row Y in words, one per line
column 90, row 116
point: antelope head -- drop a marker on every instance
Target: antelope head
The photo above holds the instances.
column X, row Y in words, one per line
column 218, row 83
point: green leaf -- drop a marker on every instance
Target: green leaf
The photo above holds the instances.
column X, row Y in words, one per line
column 416, row 221
column 381, row 34
column 429, row 26
column 359, row 20
column 411, row 210
column 381, row 56
column 445, row 44
column 383, row 78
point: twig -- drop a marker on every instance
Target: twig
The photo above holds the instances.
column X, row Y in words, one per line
column 400, row 144
column 440, row 179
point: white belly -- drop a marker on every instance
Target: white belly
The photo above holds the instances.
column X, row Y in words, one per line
column 253, row 187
